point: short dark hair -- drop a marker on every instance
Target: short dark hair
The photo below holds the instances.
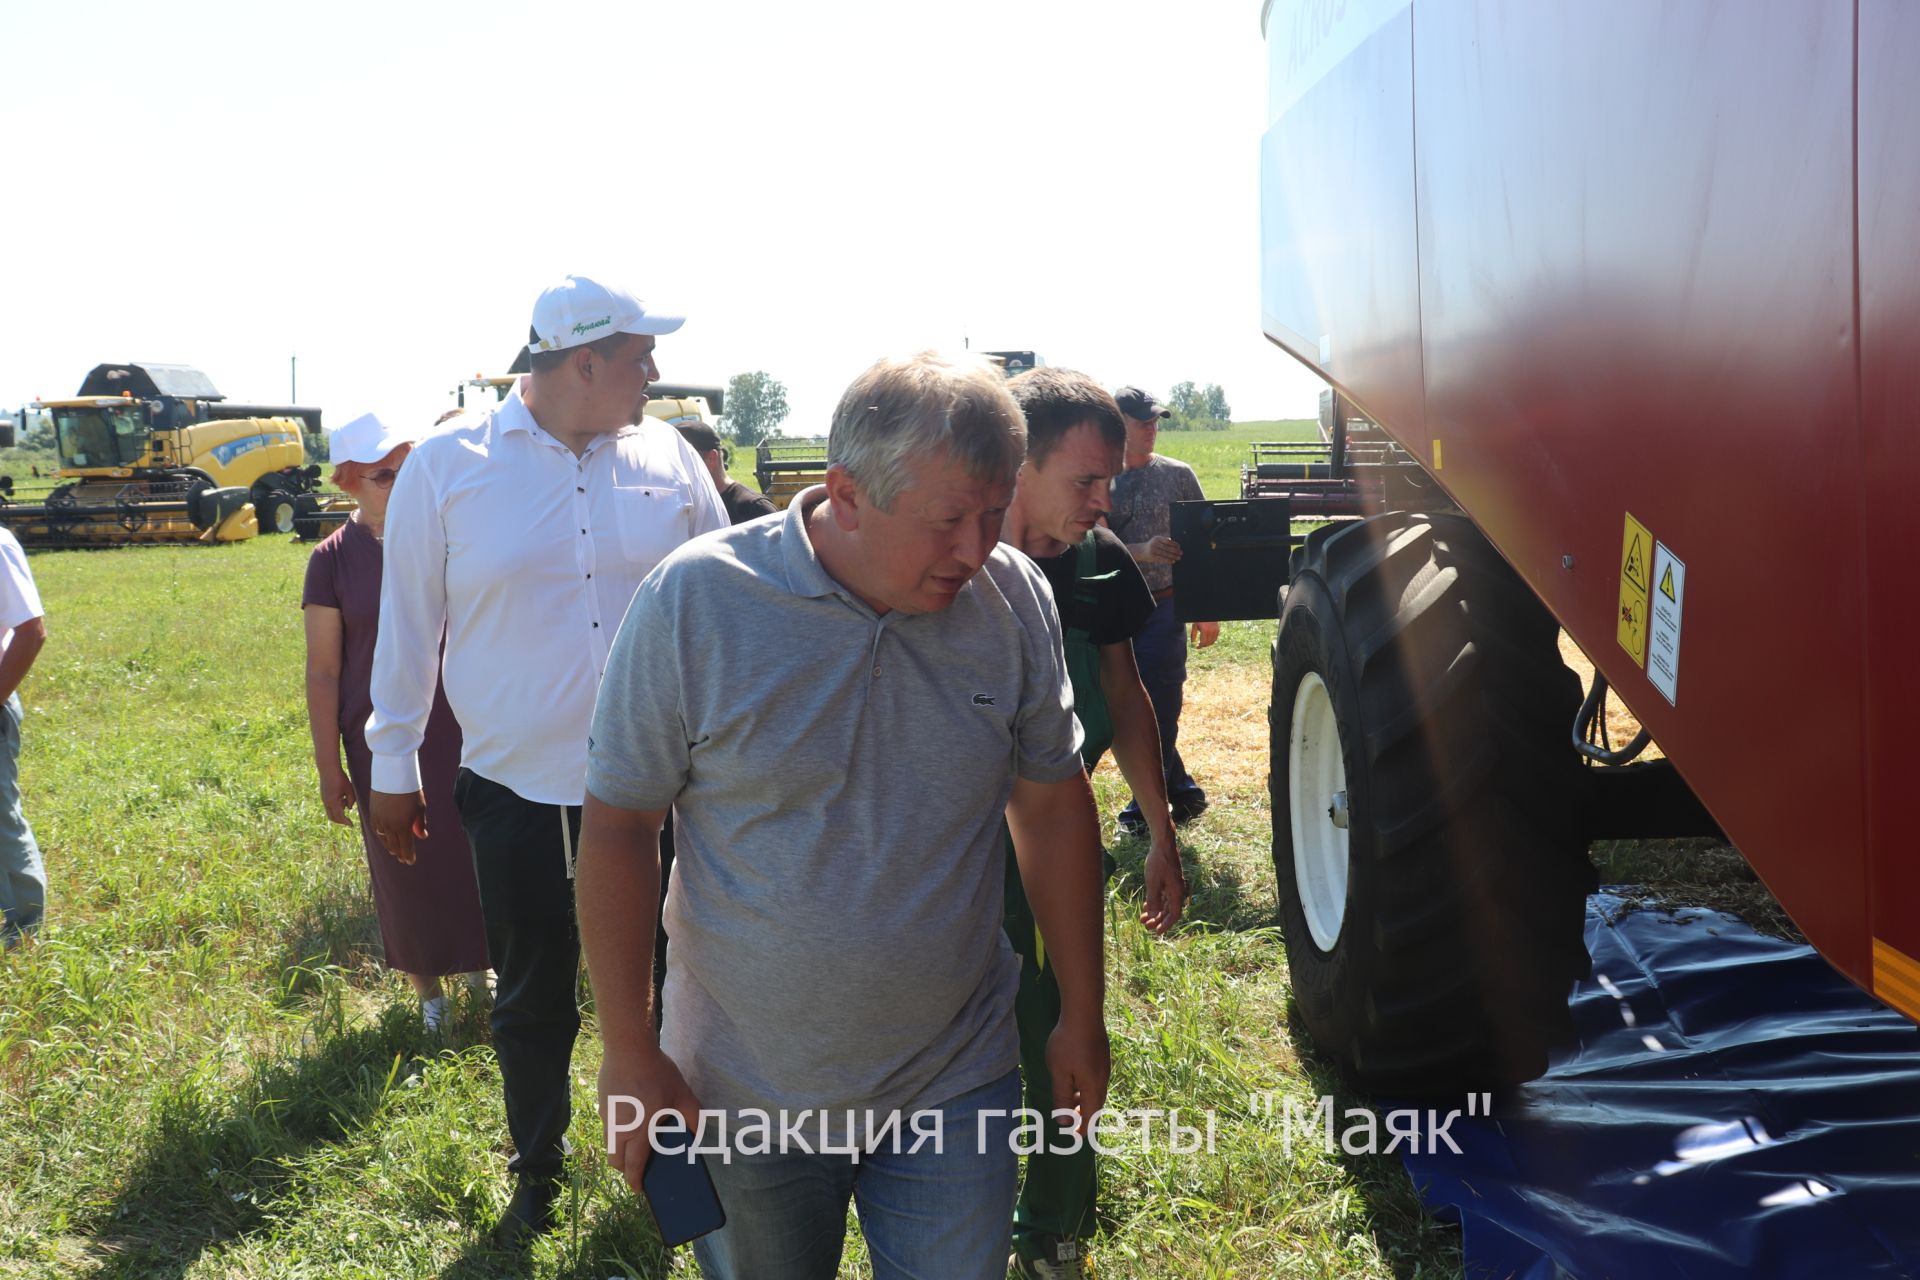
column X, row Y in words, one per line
column 702, row 437
column 548, row 361
column 1058, row 400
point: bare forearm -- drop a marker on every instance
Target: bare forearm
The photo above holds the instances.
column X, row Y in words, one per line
column 1136, row 749
column 21, row 652
column 323, row 716
column 1057, row 846
column 616, row 897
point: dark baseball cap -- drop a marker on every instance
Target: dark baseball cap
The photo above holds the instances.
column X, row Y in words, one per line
column 1139, row 405
column 698, row 434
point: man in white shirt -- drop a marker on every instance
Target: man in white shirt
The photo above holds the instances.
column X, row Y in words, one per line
column 23, row 630
column 523, row 532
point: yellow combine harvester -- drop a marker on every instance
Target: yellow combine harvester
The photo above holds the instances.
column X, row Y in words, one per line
column 153, row 453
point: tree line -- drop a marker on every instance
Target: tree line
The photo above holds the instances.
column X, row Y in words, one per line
column 1198, row 408
column 757, row 405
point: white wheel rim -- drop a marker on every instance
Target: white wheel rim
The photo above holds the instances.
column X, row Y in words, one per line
column 1316, row 774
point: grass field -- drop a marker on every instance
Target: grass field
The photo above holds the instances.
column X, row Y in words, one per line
column 207, row 1073
column 1216, row 456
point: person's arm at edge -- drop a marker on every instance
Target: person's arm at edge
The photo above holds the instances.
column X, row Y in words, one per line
column 325, row 636
column 1056, row 841
column 29, row 637
column 21, row 613
column 406, row 656
column 1136, row 749
column 616, row 895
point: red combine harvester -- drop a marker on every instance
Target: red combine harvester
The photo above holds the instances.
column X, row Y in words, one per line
column 1632, row 292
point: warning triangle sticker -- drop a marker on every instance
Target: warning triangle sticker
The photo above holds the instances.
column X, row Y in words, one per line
column 1666, row 585
column 1636, row 567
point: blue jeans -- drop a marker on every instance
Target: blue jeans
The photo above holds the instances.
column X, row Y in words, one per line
column 927, row 1215
column 1160, row 651
column 23, row 877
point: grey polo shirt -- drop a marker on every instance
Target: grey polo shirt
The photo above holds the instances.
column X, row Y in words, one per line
column 838, row 780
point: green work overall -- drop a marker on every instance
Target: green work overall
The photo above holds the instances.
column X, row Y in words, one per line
column 1057, row 1197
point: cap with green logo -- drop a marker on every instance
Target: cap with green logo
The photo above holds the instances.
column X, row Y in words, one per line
column 579, row 310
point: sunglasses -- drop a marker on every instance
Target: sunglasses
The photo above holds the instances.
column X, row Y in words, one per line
column 384, row 476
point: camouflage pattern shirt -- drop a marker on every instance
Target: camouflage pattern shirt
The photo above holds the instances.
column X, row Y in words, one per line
column 1143, row 501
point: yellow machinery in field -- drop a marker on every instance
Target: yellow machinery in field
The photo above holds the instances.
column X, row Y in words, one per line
column 153, row 453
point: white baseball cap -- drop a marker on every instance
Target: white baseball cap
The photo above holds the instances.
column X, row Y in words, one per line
column 579, row 310
column 365, row 439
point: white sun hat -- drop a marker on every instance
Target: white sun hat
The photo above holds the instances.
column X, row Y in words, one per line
column 365, row 439
column 579, row 310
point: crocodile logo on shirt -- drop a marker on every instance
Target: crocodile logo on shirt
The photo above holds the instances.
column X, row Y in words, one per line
column 982, row 700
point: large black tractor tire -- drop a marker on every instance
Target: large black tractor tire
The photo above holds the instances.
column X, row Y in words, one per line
column 273, row 507
column 1427, row 836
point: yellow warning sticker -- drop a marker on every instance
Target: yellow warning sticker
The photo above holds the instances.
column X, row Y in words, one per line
column 1436, row 453
column 1636, row 553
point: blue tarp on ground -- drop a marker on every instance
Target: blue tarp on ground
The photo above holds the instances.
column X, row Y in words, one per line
column 1734, row 1108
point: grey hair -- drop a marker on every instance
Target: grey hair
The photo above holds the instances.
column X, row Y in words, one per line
column 929, row 403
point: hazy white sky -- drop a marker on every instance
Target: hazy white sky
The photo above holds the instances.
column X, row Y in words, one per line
column 383, row 189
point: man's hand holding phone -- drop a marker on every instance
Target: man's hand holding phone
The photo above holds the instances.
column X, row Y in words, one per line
column 636, row 1088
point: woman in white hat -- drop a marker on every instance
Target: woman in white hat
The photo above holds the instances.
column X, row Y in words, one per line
column 430, row 921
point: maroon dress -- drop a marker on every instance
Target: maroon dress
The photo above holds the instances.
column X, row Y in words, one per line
column 430, row 920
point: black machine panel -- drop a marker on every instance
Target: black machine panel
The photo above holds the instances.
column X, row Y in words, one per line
column 1233, row 558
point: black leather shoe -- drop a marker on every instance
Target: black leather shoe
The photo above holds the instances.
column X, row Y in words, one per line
column 533, row 1211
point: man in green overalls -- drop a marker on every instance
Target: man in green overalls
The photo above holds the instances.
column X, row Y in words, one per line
column 1075, row 441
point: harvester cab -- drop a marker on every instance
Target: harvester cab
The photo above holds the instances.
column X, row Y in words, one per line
column 154, row 453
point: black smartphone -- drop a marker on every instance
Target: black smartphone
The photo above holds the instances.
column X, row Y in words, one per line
column 679, row 1192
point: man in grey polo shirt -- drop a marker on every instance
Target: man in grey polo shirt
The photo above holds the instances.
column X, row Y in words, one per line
column 834, row 918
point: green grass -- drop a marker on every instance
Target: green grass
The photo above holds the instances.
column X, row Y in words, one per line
column 1217, row 456
column 206, row 1073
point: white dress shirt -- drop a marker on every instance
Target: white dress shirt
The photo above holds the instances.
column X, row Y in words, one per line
column 19, row 598
column 527, row 557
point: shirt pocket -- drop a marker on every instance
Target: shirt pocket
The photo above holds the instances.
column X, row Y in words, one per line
column 652, row 520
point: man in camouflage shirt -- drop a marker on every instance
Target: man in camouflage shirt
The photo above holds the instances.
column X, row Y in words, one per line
column 1142, row 516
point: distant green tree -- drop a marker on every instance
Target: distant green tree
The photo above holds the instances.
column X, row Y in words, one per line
column 1186, row 403
column 316, row 445
column 1219, row 412
column 36, row 431
column 756, row 406
column 1198, row 408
